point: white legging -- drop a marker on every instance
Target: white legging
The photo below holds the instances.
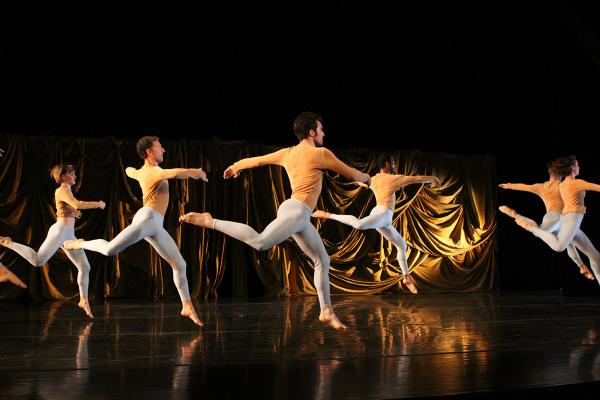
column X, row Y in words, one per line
column 57, row 234
column 293, row 219
column 380, row 219
column 551, row 223
column 570, row 232
column 147, row 224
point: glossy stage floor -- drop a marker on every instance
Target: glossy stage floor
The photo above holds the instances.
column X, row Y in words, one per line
column 518, row 345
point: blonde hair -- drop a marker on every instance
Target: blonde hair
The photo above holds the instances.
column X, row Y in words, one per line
column 59, row 170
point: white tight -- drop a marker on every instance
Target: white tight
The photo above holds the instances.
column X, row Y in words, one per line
column 380, row 219
column 57, row 234
column 293, row 219
column 147, row 224
column 570, row 232
column 551, row 223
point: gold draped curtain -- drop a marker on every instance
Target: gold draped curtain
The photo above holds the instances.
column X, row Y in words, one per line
column 449, row 230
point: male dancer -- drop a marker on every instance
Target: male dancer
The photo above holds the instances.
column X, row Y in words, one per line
column 384, row 186
column 304, row 164
column 147, row 223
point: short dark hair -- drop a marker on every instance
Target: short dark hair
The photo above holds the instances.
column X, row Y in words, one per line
column 304, row 122
column 383, row 158
column 59, row 170
column 564, row 165
column 144, row 144
column 551, row 166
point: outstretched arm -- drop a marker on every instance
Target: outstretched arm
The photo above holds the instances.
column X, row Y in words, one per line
column 132, row 173
column 172, row 173
column 403, row 180
column 184, row 173
column 67, row 197
column 519, row 186
column 594, row 187
column 336, row 165
column 233, row 171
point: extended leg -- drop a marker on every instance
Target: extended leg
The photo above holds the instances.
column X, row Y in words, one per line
column 311, row 244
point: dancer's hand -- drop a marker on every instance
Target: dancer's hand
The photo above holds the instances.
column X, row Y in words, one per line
column 436, row 181
column 231, row 172
column 503, row 185
column 1, row 152
column 101, row 205
column 199, row 174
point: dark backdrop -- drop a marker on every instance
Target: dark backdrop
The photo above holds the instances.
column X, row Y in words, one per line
column 515, row 81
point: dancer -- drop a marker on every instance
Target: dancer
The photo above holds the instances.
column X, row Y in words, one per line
column 6, row 275
column 384, row 186
column 572, row 191
column 304, row 164
column 550, row 194
column 67, row 211
column 147, row 223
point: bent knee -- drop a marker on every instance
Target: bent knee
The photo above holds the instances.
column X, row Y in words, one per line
column 261, row 244
column 40, row 263
column 84, row 267
column 361, row 226
column 560, row 248
column 178, row 265
column 322, row 261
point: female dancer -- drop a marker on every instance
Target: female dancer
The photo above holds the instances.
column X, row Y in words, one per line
column 67, row 211
column 549, row 193
column 572, row 191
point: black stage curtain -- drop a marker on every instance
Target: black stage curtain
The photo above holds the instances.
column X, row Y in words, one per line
column 449, row 230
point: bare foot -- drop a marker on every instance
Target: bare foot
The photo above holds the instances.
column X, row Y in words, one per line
column 328, row 317
column 85, row 306
column 409, row 282
column 188, row 311
column 5, row 241
column 525, row 222
column 85, row 332
column 321, row 214
column 6, row 275
column 508, row 211
column 73, row 244
column 205, row 220
column 585, row 271
column 189, row 348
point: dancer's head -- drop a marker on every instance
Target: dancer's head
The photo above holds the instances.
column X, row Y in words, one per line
column 149, row 147
column 63, row 173
column 552, row 167
column 385, row 162
column 567, row 166
column 309, row 125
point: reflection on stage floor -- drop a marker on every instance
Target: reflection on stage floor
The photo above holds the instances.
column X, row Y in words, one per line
column 397, row 346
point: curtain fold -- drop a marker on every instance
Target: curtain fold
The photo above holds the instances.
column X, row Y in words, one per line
column 449, row 230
